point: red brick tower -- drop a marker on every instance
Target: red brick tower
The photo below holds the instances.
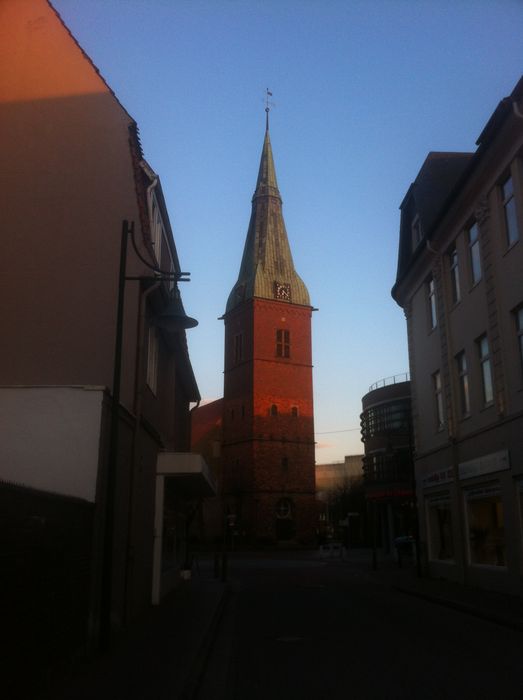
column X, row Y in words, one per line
column 268, row 425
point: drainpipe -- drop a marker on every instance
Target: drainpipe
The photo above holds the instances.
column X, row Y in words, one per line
column 454, row 442
column 137, row 410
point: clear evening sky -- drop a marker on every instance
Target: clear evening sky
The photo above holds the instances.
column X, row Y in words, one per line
column 362, row 92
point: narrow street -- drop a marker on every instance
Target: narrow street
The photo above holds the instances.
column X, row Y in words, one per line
column 303, row 627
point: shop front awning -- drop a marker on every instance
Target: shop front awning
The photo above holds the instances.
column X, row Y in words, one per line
column 187, row 474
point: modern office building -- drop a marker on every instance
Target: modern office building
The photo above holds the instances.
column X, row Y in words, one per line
column 386, row 432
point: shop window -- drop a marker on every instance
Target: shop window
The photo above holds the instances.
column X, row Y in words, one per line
column 441, row 544
column 486, row 532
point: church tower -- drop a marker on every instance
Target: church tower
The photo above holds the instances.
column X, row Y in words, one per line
column 268, row 424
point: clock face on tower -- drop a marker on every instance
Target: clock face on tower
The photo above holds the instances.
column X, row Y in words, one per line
column 282, row 291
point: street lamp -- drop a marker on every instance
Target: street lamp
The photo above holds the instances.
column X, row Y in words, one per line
column 172, row 319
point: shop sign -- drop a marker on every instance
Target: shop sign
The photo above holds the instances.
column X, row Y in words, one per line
column 494, row 462
column 482, row 492
column 442, row 476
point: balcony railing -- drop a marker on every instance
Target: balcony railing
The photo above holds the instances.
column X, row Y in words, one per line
column 387, row 381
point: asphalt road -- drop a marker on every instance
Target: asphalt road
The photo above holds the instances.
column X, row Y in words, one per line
column 310, row 629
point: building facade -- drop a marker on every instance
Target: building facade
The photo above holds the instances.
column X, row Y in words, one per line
column 386, row 432
column 341, row 503
column 268, row 426
column 102, row 532
column 460, row 283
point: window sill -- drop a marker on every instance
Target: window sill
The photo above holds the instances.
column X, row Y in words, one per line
column 487, row 406
column 465, row 417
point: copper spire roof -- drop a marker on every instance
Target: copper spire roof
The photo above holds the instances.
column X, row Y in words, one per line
column 267, row 270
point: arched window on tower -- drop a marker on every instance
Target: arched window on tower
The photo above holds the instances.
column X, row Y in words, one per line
column 294, row 411
column 274, row 410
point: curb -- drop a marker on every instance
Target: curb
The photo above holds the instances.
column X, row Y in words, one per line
column 462, row 607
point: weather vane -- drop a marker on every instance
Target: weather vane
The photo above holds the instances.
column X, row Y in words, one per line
column 268, row 105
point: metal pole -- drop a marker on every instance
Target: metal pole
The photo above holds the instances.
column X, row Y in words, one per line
column 107, row 566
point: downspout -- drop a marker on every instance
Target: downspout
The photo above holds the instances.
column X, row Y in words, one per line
column 452, row 434
column 137, row 410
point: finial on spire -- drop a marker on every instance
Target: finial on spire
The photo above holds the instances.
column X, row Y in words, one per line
column 268, row 106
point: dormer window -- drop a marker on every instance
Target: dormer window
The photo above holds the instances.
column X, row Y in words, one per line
column 416, row 232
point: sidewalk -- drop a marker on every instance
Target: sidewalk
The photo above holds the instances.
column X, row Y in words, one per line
column 161, row 658
column 501, row 608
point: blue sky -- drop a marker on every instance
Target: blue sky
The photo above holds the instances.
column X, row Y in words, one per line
column 362, row 92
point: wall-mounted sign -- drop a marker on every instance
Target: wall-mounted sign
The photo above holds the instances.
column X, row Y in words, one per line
column 494, row 462
column 482, row 492
column 441, row 476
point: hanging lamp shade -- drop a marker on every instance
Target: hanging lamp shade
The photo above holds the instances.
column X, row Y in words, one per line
column 173, row 318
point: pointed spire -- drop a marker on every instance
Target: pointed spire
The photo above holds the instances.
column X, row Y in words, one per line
column 267, row 185
column 267, row 269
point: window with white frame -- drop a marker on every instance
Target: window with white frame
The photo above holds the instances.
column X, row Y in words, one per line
column 463, row 381
column 438, row 397
column 152, row 359
column 486, row 370
column 509, row 211
column 474, row 254
column 439, row 516
column 485, row 524
column 454, row 275
column 431, row 291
